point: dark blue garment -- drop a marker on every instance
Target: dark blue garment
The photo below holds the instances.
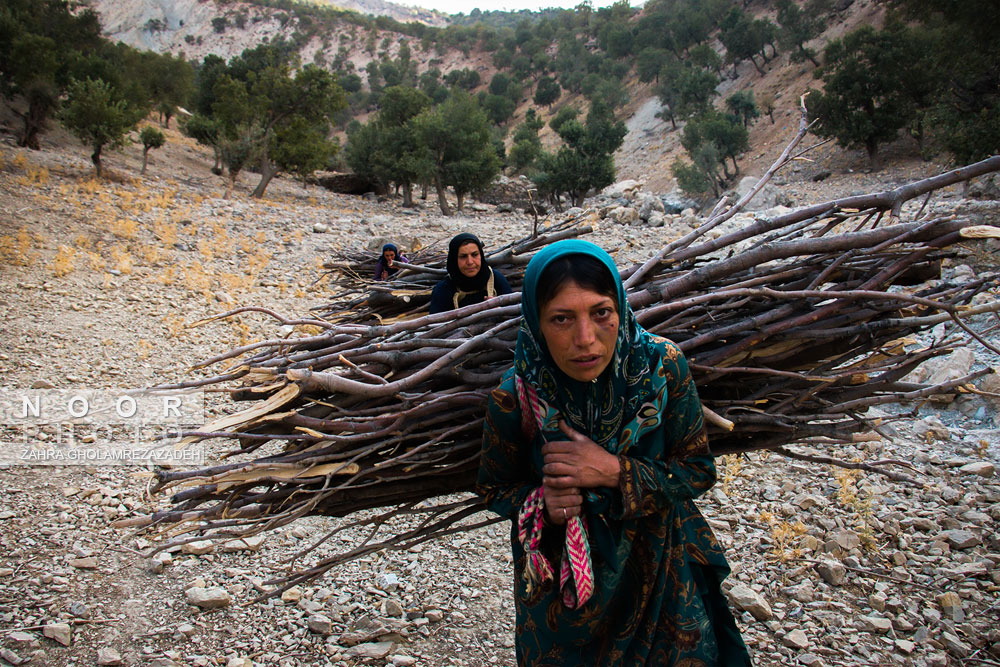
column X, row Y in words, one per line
column 443, row 296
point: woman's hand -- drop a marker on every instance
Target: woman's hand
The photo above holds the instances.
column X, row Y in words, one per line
column 561, row 504
column 578, row 463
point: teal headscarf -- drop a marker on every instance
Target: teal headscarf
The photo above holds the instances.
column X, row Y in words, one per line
column 626, row 400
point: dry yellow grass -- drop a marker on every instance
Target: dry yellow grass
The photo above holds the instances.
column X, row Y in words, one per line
column 63, row 263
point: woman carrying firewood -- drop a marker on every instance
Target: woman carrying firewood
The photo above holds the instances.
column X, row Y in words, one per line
column 470, row 278
column 595, row 447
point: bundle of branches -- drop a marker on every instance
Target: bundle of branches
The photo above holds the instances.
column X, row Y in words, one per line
column 793, row 326
column 409, row 292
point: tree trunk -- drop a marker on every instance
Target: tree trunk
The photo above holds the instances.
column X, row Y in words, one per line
column 407, row 195
column 268, row 170
column 442, row 200
column 231, row 183
column 34, row 119
column 871, row 146
column 217, row 167
column 145, row 157
column 95, row 157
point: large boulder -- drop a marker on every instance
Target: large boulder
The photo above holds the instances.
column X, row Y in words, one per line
column 343, row 183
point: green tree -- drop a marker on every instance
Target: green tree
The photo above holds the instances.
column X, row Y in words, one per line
column 459, row 150
column 205, row 131
column 258, row 97
column 40, row 40
column 151, row 139
column 863, row 103
column 98, row 117
column 525, row 145
column 963, row 52
column 547, row 91
column 563, row 115
column 799, row 26
column 742, row 105
column 585, row 161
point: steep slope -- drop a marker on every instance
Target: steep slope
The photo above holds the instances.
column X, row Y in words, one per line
column 197, row 28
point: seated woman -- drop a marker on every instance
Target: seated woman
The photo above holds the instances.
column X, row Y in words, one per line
column 594, row 446
column 470, row 279
column 388, row 263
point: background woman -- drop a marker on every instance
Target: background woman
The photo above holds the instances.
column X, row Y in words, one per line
column 594, row 447
column 470, row 279
column 387, row 264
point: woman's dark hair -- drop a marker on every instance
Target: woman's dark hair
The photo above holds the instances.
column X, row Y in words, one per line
column 586, row 271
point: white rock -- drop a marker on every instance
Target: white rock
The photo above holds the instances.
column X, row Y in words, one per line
column 198, row 548
column 832, row 572
column 796, row 639
column 320, row 624
column 109, row 656
column 376, row 650
column 208, row 598
column 981, row 468
column 875, row 624
column 60, row 632
column 749, row 600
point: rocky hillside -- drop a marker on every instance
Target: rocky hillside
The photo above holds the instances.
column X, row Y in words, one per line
column 649, row 149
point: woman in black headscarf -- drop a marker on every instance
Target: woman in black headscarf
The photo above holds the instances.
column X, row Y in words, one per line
column 470, row 279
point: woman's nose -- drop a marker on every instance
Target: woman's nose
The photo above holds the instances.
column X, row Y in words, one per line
column 585, row 332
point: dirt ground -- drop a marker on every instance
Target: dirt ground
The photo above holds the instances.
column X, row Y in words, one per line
column 101, row 281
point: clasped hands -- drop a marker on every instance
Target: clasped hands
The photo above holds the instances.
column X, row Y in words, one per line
column 569, row 467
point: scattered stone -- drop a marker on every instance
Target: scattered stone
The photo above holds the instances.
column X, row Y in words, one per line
column 960, row 539
column 293, row 594
column 199, row 548
column 88, row 563
column 832, row 572
column 797, row 640
column 981, row 468
column 749, row 600
column 109, row 656
column 60, row 632
column 11, row 657
column 208, row 598
column 951, row 606
column 320, row 624
column 160, row 561
column 23, row 639
column 376, row 650
column 875, row 624
column 387, row 582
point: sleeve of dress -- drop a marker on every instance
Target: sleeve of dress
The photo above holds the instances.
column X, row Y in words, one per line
column 505, row 468
column 500, row 283
column 440, row 298
column 680, row 468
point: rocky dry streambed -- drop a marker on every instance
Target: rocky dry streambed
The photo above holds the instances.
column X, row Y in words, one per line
column 99, row 282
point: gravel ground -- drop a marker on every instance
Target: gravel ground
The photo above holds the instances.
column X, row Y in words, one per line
column 99, row 280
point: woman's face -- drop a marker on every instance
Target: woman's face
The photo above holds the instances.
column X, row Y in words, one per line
column 469, row 259
column 580, row 328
